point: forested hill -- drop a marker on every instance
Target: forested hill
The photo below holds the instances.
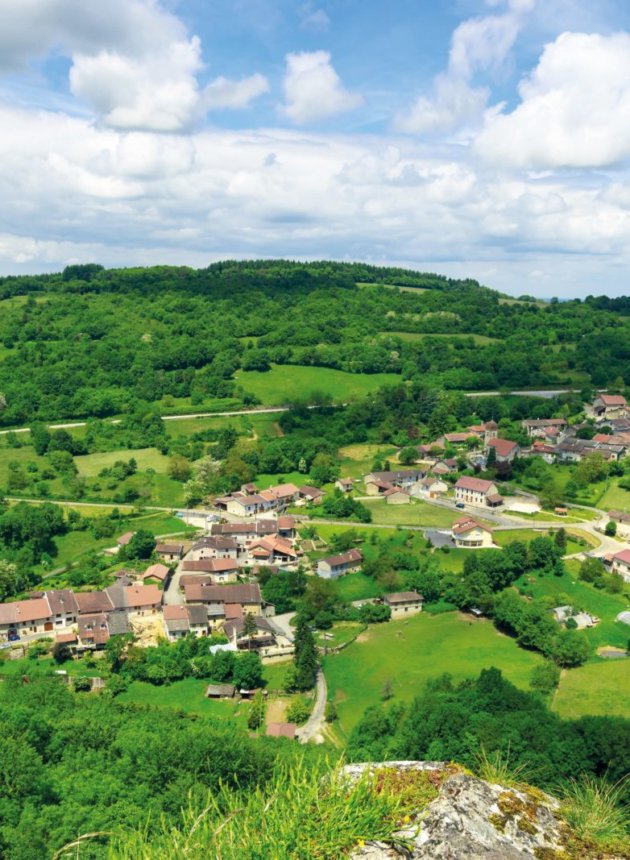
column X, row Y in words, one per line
column 91, row 342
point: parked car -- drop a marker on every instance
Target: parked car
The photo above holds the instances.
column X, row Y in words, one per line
column 13, row 636
column 460, row 505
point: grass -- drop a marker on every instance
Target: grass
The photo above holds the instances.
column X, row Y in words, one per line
column 356, row 460
column 341, row 632
column 583, row 542
column 265, row 480
column 567, row 589
column 417, row 513
column 89, row 465
column 596, row 812
column 357, row 586
column 285, row 383
column 187, row 695
column 598, row 689
column 303, row 812
column 361, row 284
column 479, row 339
column 408, row 653
column 615, row 498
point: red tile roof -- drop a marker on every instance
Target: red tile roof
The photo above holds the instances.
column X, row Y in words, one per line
column 476, row 485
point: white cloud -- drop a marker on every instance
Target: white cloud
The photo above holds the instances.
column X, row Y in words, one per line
column 223, row 93
column 477, row 45
column 132, row 61
column 574, row 110
column 313, row 18
column 313, row 89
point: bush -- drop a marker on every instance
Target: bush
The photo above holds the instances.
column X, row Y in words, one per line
column 82, row 685
column 299, row 711
column 331, row 712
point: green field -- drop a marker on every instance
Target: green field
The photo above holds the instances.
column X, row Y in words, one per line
column 614, row 498
column 414, row 336
column 286, row 382
column 601, row 688
column 357, row 586
column 189, row 696
column 567, row 589
column 361, row 284
column 417, row 513
column 341, row 632
column 89, row 465
column 356, row 460
column 410, row 652
column 503, row 538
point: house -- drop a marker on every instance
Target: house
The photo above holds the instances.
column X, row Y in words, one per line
column 470, row 534
column 621, row 564
column 180, row 620
column 376, row 487
column 504, row 449
column 540, row 449
column 245, row 533
column 221, row 601
column 220, row 691
column 405, row 479
column 281, row 730
column 93, row 602
column 335, row 566
column 272, row 550
column 485, row 431
column 344, row 484
column 396, row 496
column 123, row 540
column 170, row 551
column 540, row 427
column 460, row 438
column 445, row 467
column 404, row 603
column 63, row 607
column 623, row 523
column 311, row 495
column 158, row 572
column 219, row 570
column 136, row 600
column 286, row 494
column 477, row 492
column 93, row 631
column 607, row 406
column 431, row 487
column 573, row 450
column 24, row 617
column 214, row 546
column 286, row 527
column 266, row 639
column 248, row 506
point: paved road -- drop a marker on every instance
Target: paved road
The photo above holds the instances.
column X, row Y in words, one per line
column 283, row 621
column 313, row 729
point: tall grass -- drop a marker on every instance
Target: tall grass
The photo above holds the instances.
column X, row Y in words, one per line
column 498, row 768
column 304, row 813
column 595, row 811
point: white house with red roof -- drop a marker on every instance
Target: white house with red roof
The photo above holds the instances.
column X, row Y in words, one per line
column 468, row 533
column 504, row 449
column 621, row 564
column 477, row 492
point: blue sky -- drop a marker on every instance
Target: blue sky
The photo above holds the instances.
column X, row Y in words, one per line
column 486, row 138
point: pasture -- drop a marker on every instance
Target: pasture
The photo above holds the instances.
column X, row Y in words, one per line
column 408, row 653
column 286, row 383
column 599, row 689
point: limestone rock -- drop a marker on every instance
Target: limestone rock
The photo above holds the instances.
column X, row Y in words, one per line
column 475, row 820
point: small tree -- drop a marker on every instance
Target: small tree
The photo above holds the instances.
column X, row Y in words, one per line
column 257, row 712
column 611, row 528
column 388, row 690
column 61, row 652
column 249, row 628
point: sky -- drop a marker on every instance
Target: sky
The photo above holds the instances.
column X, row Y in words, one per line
column 475, row 138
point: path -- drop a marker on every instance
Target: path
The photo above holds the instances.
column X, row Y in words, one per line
column 313, row 729
column 267, row 410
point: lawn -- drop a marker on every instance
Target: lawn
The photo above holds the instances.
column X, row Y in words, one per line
column 480, row 339
column 89, row 465
column 410, row 652
column 567, row 589
column 614, row 498
column 189, row 696
column 417, row 513
column 23, row 456
column 503, row 538
column 357, row 586
column 601, row 688
column 264, row 481
column 340, row 632
column 356, row 460
column 285, row 383
column 360, row 284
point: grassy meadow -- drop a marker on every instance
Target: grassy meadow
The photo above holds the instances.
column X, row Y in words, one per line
column 285, row 383
column 409, row 652
column 600, row 689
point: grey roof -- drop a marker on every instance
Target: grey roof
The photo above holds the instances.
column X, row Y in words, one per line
column 403, row 597
column 61, row 601
column 118, row 623
column 197, row 614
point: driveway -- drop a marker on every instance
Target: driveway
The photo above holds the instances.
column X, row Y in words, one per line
column 283, row 623
column 313, row 729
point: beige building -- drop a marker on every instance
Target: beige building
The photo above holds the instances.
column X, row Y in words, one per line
column 404, row 603
column 470, row 534
column 477, row 492
column 621, row 564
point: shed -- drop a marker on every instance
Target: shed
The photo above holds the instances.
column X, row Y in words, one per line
column 220, row 691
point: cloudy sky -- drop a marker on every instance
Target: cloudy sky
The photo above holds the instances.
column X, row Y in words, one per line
column 487, row 138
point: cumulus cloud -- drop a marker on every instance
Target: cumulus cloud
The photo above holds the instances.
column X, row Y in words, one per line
column 477, row 45
column 132, row 61
column 313, row 89
column 574, row 110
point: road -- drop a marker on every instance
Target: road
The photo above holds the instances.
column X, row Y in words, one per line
column 283, row 622
column 269, row 410
column 313, row 729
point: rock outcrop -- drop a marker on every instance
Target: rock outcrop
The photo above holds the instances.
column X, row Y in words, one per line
column 475, row 820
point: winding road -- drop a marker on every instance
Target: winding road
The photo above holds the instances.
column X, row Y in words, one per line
column 313, row 729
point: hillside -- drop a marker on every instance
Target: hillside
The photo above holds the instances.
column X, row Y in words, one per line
column 91, row 342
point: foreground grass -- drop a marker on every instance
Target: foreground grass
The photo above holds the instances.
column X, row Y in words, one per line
column 304, row 813
column 599, row 689
column 408, row 653
column 285, row 383
column 595, row 811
